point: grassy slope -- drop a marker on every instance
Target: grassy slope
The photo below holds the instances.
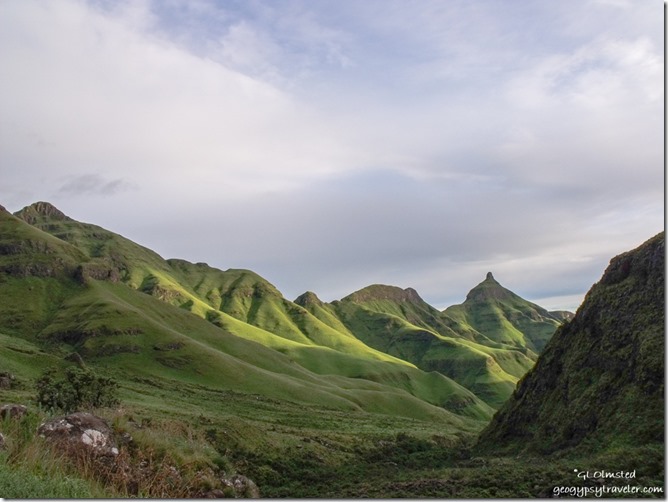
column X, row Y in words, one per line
column 291, row 449
column 505, row 317
column 381, row 316
column 111, row 322
column 241, row 301
column 247, row 297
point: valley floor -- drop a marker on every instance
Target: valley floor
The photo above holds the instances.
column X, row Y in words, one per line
column 190, row 436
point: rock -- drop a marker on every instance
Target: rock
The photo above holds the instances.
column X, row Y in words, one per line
column 125, row 438
column 33, row 213
column 6, row 380
column 12, row 410
column 81, row 429
column 243, row 487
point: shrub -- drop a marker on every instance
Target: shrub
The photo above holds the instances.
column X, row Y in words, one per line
column 76, row 389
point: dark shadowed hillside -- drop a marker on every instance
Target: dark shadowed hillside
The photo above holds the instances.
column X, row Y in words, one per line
column 599, row 383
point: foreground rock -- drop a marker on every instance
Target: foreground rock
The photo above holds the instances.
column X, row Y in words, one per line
column 243, row 487
column 6, row 380
column 12, row 411
column 81, row 430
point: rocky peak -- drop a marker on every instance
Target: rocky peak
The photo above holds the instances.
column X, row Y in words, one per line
column 383, row 292
column 308, row 299
column 488, row 289
column 34, row 212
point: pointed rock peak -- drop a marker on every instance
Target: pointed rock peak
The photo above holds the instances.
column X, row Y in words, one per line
column 2, row 209
column 32, row 213
column 308, row 299
column 488, row 289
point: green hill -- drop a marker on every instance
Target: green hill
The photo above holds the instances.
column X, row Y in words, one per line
column 121, row 306
column 398, row 322
column 599, row 384
column 505, row 317
column 380, row 334
column 375, row 395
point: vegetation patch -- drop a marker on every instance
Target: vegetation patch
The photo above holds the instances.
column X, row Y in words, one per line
column 75, row 389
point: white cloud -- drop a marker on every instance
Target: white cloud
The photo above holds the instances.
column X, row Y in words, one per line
column 332, row 144
column 98, row 91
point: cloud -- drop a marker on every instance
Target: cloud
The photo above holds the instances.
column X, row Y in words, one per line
column 329, row 145
column 93, row 184
column 133, row 104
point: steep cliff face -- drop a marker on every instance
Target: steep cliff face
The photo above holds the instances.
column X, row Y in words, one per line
column 600, row 381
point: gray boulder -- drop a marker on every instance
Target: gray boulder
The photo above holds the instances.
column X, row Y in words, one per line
column 81, row 430
column 243, row 487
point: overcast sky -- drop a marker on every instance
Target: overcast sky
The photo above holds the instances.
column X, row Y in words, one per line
column 332, row 144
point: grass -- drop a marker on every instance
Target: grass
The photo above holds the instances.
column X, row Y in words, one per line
column 505, row 317
column 113, row 325
column 296, row 451
column 200, row 430
column 119, row 328
column 489, row 372
column 220, row 376
column 21, row 484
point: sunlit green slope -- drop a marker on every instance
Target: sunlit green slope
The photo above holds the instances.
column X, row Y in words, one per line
column 505, row 317
column 398, row 322
column 120, row 305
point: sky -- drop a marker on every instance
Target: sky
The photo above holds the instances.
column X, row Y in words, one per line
column 332, row 144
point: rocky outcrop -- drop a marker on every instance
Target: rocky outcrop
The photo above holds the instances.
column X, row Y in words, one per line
column 308, row 299
column 12, row 411
column 383, row 292
column 99, row 271
column 81, row 430
column 7, row 380
column 242, row 486
column 33, row 213
column 489, row 289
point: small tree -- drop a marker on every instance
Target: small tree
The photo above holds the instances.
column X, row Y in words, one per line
column 77, row 389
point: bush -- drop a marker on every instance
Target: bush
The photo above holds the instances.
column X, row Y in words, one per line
column 78, row 389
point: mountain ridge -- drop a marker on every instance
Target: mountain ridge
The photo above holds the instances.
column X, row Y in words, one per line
column 377, row 330
column 399, row 322
column 237, row 302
